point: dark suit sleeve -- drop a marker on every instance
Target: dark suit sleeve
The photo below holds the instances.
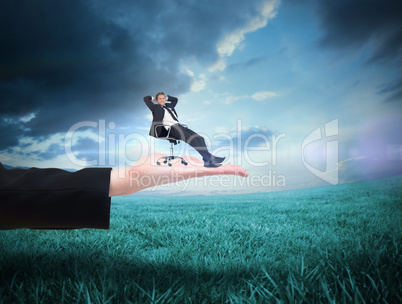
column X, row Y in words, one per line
column 149, row 103
column 54, row 198
column 173, row 101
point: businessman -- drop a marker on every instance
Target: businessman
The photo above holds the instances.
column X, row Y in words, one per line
column 165, row 117
column 57, row 199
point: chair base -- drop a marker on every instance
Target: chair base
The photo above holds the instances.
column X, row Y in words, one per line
column 167, row 159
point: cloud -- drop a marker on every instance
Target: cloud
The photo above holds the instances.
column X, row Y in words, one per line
column 255, row 136
column 51, row 152
column 66, row 63
column 39, row 148
column 28, row 117
column 10, row 131
column 359, row 23
column 196, row 85
column 263, row 95
column 227, row 98
column 84, row 60
column 249, row 63
column 230, row 42
column 256, row 61
column 392, row 91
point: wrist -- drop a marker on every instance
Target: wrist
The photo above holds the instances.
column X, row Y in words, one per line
column 124, row 181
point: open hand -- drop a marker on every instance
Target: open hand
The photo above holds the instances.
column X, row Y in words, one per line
column 146, row 173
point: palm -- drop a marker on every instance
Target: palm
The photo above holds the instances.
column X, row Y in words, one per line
column 146, row 173
column 179, row 171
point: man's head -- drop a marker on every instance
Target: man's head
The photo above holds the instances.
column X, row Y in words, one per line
column 160, row 98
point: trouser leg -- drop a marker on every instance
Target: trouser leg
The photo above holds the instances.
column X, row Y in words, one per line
column 192, row 138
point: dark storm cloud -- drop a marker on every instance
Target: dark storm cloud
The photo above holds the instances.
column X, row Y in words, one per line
column 51, row 152
column 355, row 24
column 75, row 60
column 9, row 134
column 60, row 60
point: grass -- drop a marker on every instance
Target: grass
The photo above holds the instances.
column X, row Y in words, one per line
column 338, row 244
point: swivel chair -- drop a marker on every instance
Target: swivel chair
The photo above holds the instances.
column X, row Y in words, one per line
column 173, row 141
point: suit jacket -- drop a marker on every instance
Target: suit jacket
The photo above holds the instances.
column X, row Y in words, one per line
column 158, row 112
column 54, row 198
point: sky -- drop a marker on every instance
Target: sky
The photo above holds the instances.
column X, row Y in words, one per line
column 300, row 93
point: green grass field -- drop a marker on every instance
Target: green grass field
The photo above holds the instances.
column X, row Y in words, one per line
column 339, row 244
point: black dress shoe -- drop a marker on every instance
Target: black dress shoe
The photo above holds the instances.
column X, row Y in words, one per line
column 211, row 164
column 218, row 159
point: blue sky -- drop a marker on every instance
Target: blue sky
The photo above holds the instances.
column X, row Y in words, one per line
column 260, row 80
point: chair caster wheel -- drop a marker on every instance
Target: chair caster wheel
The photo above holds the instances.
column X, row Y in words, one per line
column 158, row 163
column 169, row 164
column 165, row 162
column 184, row 163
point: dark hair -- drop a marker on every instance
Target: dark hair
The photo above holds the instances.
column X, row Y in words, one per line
column 160, row 93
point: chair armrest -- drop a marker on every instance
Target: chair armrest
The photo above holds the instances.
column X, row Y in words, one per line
column 156, row 132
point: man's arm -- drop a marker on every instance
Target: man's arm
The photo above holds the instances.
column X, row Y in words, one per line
column 173, row 101
column 149, row 103
column 54, row 198
column 57, row 199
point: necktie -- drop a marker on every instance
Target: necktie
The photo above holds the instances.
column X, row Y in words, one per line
column 171, row 113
